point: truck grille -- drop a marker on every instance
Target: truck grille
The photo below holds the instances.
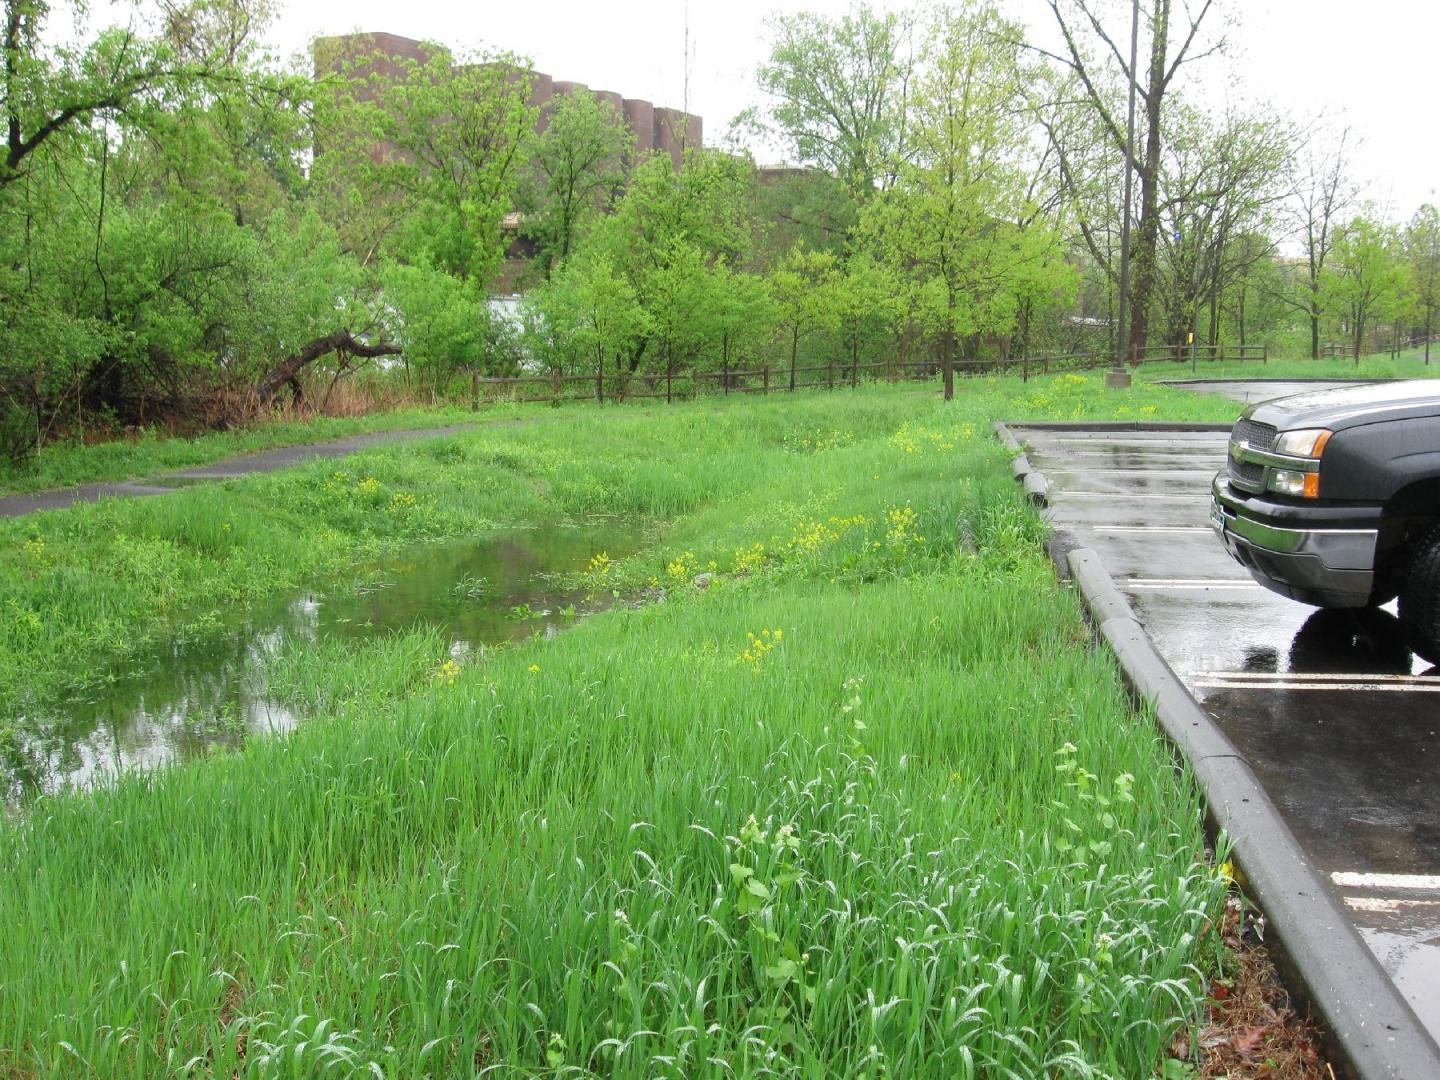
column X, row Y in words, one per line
column 1247, row 474
column 1260, row 436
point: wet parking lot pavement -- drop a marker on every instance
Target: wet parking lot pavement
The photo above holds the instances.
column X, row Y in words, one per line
column 1330, row 709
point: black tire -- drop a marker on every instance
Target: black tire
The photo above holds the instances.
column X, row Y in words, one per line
column 1420, row 598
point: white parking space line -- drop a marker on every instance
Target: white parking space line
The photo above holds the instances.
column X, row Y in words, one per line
column 1187, row 583
column 1384, row 905
column 1354, row 879
column 1195, row 496
column 1166, row 438
column 1158, row 530
column 1368, row 687
column 1266, row 677
column 1141, row 472
column 1184, row 455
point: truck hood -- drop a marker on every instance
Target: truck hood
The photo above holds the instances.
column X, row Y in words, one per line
column 1350, row 406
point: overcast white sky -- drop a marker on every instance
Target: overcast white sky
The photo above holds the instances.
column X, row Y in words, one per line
column 1370, row 65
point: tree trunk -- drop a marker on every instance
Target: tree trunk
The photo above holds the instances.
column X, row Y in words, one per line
column 1214, row 315
column 947, row 361
column 794, row 348
column 1143, row 283
column 288, row 370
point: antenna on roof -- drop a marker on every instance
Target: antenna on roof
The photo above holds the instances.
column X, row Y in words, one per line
column 685, row 92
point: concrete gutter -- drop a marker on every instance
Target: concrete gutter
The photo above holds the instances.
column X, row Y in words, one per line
column 1369, row 1028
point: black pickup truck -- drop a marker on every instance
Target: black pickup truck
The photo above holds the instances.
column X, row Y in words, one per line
column 1332, row 498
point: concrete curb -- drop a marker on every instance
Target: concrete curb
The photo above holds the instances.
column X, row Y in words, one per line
column 1370, row 1030
column 1037, row 488
column 1007, row 437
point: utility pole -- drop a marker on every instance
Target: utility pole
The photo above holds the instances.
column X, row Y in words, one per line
column 1119, row 377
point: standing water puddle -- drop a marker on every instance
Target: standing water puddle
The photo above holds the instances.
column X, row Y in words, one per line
column 177, row 701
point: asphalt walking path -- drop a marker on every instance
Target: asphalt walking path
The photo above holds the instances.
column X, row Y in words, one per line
column 1329, row 708
column 241, row 465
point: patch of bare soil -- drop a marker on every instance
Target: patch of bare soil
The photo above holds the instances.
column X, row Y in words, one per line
column 1253, row 1030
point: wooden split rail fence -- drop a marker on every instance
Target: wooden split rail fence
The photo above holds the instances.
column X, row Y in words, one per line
column 684, row 385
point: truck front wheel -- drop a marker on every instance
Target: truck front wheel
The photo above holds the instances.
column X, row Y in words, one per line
column 1420, row 598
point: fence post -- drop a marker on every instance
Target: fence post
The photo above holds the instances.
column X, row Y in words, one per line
column 725, row 374
column 1024, row 369
column 766, row 385
column 1265, row 353
column 669, row 368
column 555, row 385
column 830, row 374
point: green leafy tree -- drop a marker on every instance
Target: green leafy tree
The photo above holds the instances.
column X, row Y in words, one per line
column 741, row 311
column 947, row 228
column 426, row 158
column 863, row 304
column 578, row 167
column 1222, row 178
column 1367, row 278
column 1422, row 247
column 1098, row 57
column 445, row 325
column 679, row 298
column 669, row 232
column 589, row 312
column 839, row 88
column 139, row 175
column 803, row 287
column 802, row 206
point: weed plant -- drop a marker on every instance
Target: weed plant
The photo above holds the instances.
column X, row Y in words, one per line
column 855, row 799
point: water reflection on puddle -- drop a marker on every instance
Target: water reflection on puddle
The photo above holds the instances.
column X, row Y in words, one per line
column 178, row 701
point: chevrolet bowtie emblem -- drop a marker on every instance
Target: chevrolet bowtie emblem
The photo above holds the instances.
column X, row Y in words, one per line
column 1237, row 450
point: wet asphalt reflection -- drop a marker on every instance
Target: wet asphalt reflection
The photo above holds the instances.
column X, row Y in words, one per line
column 1329, row 708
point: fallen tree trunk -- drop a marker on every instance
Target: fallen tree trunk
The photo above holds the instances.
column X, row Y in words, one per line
column 289, row 368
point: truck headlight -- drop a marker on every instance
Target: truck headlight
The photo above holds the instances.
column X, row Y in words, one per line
column 1303, row 443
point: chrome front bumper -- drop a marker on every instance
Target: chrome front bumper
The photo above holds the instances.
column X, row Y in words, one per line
column 1326, row 567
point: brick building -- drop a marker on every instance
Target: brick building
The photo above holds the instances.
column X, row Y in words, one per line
column 667, row 130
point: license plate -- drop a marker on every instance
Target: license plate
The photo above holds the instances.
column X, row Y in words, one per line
column 1217, row 519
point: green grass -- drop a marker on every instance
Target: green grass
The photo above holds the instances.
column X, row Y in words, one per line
column 914, row 829
column 82, row 588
